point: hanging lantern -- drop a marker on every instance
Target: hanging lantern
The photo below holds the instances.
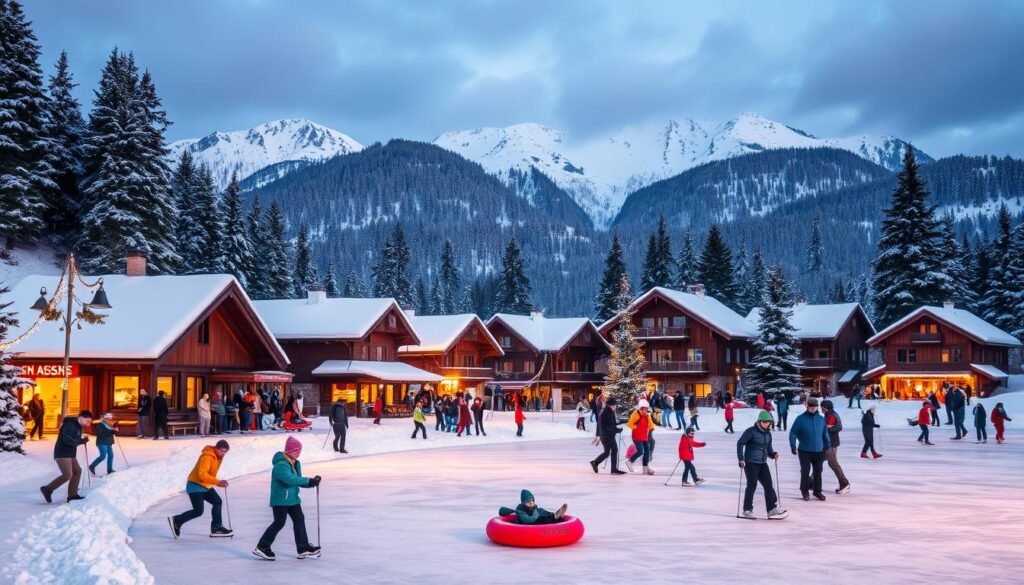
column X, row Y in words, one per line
column 99, row 300
column 41, row 303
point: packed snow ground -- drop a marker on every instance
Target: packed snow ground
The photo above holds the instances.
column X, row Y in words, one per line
column 424, row 512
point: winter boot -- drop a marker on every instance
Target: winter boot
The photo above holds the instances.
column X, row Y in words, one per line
column 560, row 512
column 749, row 514
column 618, row 472
column 698, row 481
column 264, row 553
column 877, row 455
column 47, row 494
column 843, row 489
column 687, row 484
column 777, row 514
column 648, row 471
column 863, row 454
column 221, row 532
column 593, row 465
column 805, row 497
column 309, row 552
column 175, row 528
column 629, row 465
column 820, row 496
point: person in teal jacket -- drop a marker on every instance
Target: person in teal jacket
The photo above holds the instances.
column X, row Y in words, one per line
column 285, row 480
column 810, row 430
column 527, row 512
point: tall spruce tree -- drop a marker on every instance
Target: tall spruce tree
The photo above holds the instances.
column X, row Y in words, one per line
column 353, row 288
column 686, row 265
column 627, row 373
column 237, row 247
column 304, row 277
column 257, row 274
column 981, row 276
column 185, row 186
column 998, row 301
column 776, row 364
column 758, row 279
column 65, row 133
column 423, row 304
column 391, row 275
column 606, row 303
column 26, row 176
column 513, row 285
column 1013, row 320
column 815, row 257
column 449, row 284
column 161, row 217
column 331, row 282
column 909, row 260
column 12, row 427
column 209, row 217
column 278, row 263
column 957, row 283
column 658, row 262
column 745, row 299
column 715, row 269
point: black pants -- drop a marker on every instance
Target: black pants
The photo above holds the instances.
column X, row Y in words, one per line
column 869, row 441
column 440, row 420
column 728, row 427
column 935, row 418
column 37, row 427
column 611, row 449
column 478, row 421
column 783, row 422
column 982, row 433
column 689, row 469
column 158, row 426
column 949, row 416
column 339, row 436
column 759, row 472
column 519, row 430
column 810, row 471
column 197, row 499
column 580, row 425
column 419, row 427
column 298, row 526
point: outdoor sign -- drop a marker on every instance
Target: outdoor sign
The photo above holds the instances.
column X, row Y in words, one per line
column 47, row 370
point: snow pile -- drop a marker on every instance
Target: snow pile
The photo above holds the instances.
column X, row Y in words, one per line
column 87, row 542
column 39, row 259
column 15, row 467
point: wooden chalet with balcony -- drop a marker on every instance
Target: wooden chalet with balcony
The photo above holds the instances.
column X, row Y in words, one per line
column 559, row 358
column 692, row 342
column 455, row 347
column 936, row 345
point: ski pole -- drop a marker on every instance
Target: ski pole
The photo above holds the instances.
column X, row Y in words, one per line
column 673, row 471
column 739, row 491
column 327, row 436
column 123, row 456
column 88, row 476
column 778, row 483
column 318, row 514
column 227, row 508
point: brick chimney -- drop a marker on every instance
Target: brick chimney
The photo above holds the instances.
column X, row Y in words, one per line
column 696, row 289
column 948, row 305
column 135, row 263
column 316, row 296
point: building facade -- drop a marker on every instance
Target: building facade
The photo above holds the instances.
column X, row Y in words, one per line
column 456, row 347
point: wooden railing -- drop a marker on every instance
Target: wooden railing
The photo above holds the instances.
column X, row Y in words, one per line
column 648, row 332
column 677, row 366
column 466, row 372
column 926, row 338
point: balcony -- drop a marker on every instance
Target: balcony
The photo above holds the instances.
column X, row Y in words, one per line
column 662, row 332
column 579, row 377
column 925, row 338
column 467, row 372
column 680, row 367
column 817, row 363
column 514, row 376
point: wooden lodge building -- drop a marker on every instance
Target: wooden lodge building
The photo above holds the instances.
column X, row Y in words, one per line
column 557, row 358
column 833, row 345
column 180, row 334
column 933, row 345
column 693, row 343
column 346, row 348
column 455, row 347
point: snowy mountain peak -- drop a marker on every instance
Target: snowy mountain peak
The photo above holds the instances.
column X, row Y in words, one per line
column 248, row 151
column 600, row 172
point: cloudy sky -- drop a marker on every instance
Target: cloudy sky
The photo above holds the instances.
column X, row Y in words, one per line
column 944, row 74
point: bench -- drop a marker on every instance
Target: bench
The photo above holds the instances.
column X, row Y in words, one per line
column 397, row 411
column 183, row 426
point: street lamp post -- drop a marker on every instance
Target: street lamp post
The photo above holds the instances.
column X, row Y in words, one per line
column 68, row 319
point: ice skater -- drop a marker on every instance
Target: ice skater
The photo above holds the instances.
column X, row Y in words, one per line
column 998, row 418
column 729, row 416
column 285, row 480
column 686, row 445
column 65, row 455
column 581, row 415
column 519, row 417
column 867, row 428
column 607, row 431
column 979, row 422
column 642, row 424
column 339, row 424
column 417, row 420
column 834, row 424
column 754, row 449
column 105, row 433
column 811, row 433
column 924, row 417
column 199, row 488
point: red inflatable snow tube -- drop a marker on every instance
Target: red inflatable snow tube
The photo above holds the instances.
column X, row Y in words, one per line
column 505, row 530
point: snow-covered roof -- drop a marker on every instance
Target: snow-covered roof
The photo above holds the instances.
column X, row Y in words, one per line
column 873, row 371
column 990, row 371
column 816, row 321
column 848, row 376
column 328, row 318
column 437, row 333
column 387, row 371
column 965, row 321
column 543, row 333
column 149, row 314
column 704, row 308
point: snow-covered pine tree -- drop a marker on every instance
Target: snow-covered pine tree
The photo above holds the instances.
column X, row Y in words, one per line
column 957, row 284
column 237, row 247
column 65, row 133
column 257, row 276
column 450, row 286
column 658, row 262
column 865, row 294
column 353, row 288
column 758, row 278
column 303, row 277
column 210, row 219
column 606, row 302
column 997, row 302
column 908, row 262
column 185, row 184
column 26, row 177
column 435, row 302
column 776, row 364
column 12, row 427
column 1013, row 299
column 278, row 262
column 686, row 265
column 627, row 368
column 981, row 275
column 815, row 258
column 513, row 285
column 331, row 282
column 160, row 217
column 423, row 303
column 391, row 275
column 384, row 271
column 650, row 265
column 745, row 299
column 715, row 269
column 466, row 304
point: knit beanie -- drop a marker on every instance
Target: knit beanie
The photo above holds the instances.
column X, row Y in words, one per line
column 525, row 496
column 764, row 415
column 292, row 445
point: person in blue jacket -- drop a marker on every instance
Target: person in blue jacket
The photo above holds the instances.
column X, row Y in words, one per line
column 754, row 449
column 285, row 481
column 808, row 439
column 782, row 407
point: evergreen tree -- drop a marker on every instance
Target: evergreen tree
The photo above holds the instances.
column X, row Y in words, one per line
column 627, row 375
column 908, row 263
column 606, row 302
column 1013, row 320
column 278, row 265
column 658, row 262
column 65, row 132
column 127, row 201
column 776, row 365
column 686, row 266
column 423, row 306
column 958, row 276
column 449, row 286
column 257, row 275
column 758, row 278
column 353, row 288
column 715, row 269
column 650, row 265
column 304, row 277
column 998, row 301
column 745, row 299
column 331, row 284
column 391, row 275
column 238, row 256
column 466, row 305
column 210, row 220
column 981, row 276
column 513, row 285
column 186, row 184
column 12, row 427
column 26, row 177
column 436, row 301
column 815, row 250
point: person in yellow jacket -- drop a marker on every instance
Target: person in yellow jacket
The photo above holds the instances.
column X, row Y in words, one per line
column 642, row 425
column 199, row 488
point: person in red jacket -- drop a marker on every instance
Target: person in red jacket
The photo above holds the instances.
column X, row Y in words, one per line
column 520, row 417
column 686, row 446
column 924, row 418
column 729, row 415
column 378, row 409
column 998, row 417
column 465, row 418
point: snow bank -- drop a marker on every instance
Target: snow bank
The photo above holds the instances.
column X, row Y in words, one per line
column 87, row 542
column 15, row 467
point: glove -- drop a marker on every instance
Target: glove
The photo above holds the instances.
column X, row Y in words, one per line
column 742, row 465
column 794, row 451
column 314, row 481
column 617, row 431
